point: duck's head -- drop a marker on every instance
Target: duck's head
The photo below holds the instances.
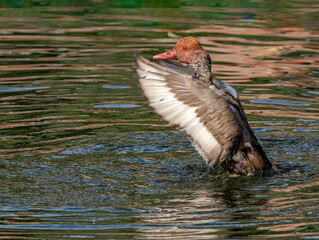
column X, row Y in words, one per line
column 188, row 50
column 184, row 51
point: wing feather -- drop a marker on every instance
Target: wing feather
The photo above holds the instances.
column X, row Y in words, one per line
column 210, row 114
column 166, row 90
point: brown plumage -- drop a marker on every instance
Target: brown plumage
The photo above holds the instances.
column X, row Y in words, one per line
column 184, row 93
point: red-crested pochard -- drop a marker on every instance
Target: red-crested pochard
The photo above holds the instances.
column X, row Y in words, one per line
column 188, row 97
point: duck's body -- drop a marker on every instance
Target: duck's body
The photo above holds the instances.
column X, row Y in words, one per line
column 186, row 95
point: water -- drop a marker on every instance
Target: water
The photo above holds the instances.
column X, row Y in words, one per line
column 83, row 156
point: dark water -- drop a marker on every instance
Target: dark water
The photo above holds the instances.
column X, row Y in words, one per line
column 83, row 156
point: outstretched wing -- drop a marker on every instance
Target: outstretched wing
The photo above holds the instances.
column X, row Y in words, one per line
column 198, row 109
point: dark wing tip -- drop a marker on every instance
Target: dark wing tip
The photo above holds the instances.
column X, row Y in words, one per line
column 137, row 55
column 140, row 59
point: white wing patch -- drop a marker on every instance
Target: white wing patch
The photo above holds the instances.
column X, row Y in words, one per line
column 174, row 111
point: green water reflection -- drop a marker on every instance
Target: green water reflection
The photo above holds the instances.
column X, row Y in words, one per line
column 83, row 156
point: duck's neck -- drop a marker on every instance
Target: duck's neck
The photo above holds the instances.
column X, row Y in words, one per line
column 201, row 64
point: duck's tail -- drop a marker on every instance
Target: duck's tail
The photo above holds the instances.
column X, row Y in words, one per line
column 250, row 159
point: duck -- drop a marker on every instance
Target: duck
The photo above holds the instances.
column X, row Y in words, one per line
column 181, row 89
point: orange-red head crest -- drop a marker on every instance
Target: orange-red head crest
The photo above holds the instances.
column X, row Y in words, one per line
column 184, row 50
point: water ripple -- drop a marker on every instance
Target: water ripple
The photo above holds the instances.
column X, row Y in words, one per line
column 267, row 101
column 80, row 150
column 20, row 89
column 118, row 105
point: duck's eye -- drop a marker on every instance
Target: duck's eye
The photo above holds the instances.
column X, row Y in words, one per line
column 185, row 48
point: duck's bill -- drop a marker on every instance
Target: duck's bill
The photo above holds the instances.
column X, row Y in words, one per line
column 167, row 55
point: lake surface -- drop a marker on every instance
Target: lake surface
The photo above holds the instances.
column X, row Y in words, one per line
column 83, row 156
